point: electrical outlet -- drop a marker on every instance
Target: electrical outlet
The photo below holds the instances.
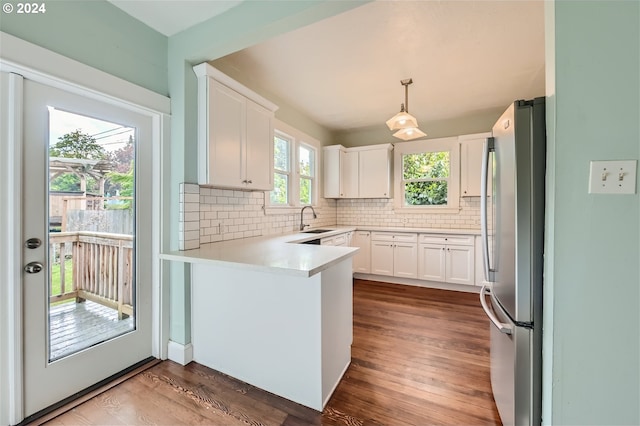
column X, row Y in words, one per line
column 405, row 220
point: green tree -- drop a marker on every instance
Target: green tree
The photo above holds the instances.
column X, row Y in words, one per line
column 425, row 178
column 125, row 181
column 78, row 145
column 75, row 145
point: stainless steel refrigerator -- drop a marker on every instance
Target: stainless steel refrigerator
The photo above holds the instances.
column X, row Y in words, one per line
column 512, row 220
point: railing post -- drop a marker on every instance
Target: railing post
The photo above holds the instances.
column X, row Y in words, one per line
column 120, row 295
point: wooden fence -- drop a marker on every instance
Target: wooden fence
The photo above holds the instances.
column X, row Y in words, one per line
column 102, row 268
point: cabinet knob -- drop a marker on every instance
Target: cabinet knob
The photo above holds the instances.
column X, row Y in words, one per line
column 249, row 181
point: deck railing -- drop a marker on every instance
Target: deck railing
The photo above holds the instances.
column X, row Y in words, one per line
column 101, row 268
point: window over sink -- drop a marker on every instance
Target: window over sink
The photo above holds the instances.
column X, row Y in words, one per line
column 294, row 168
column 427, row 175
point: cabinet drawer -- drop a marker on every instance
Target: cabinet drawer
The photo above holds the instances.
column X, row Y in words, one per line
column 462, row 240
column 392, row 236
column 340, row 240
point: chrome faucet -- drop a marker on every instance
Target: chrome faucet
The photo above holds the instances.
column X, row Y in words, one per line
column 302, row 225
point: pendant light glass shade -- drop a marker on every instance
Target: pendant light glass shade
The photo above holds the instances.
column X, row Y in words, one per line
column 405, row 123
column 409, row 133
column 402, row 120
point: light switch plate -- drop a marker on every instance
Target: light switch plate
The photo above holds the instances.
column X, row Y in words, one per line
column 612, row 177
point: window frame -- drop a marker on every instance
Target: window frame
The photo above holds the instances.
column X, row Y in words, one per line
column 289, row 172
column 450, row 145
column 314, row 169
column 297, row 139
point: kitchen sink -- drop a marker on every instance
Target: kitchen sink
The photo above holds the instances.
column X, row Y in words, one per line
column 316, row 231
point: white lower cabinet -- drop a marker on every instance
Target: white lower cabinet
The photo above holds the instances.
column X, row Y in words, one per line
column 362, row 259
column 447, row 258
column 337, row 240
column 394, row 254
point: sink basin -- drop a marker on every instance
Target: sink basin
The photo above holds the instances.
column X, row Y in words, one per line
column 316, row 231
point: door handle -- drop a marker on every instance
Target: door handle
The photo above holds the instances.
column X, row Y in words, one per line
column 33, row 267
column 33, row 243
column 484, row 178
column 503, row 327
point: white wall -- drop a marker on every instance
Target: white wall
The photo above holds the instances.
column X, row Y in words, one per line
column 592, row 280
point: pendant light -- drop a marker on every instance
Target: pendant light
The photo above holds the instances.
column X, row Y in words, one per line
column 405, row 123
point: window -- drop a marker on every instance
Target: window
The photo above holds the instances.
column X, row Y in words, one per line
column 281, row 170
column 426, row 175
column 306, row 164
column 294, row 168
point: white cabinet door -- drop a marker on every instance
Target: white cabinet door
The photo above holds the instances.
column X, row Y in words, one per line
column 362, row 259
column 405, row 262
column 382, row 258
column 259, row 147
column 471, row 163
column 374, row 173
column 431, row 262
column 460, row 265
column 331, row 171
column 235, row 133
column 349, row 174
column 225, row 144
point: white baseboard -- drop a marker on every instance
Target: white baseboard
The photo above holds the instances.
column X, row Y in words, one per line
column 182, row 354
column 418, row 283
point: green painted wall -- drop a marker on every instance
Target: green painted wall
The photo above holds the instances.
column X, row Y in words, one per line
column 249, row 23
column 99, row 34
column 592, row 314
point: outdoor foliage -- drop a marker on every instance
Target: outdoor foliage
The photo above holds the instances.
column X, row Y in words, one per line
column 280, row 193
column 425, row 177
column 75, row 145
column 78, row 145
column 125, row 181
column 83, row 146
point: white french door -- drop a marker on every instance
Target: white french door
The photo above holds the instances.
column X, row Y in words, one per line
column 82, row 272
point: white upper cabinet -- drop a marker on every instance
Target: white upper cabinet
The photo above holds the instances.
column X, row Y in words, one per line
column 235, row 133
column 471, row 163
column 374, row 171
column 349, row 174
column 362, row 172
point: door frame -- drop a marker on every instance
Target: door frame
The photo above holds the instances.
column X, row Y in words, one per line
column 44, row 66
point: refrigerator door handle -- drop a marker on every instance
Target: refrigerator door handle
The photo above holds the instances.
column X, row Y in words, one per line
column 488, row 147
column 503, row 327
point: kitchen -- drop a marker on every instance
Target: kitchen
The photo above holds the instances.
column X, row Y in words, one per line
column 176, row 275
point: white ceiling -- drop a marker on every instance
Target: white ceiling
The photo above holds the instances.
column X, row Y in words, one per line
column 464, row 57
column 169, row 17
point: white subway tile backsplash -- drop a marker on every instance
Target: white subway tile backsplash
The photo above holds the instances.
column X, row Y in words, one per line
column 221, row 214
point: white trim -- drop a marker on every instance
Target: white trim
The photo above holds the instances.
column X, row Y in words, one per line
column 204, row 69
column 44, row 66
column 182, row 354
column 11, row 411
column 296, row 138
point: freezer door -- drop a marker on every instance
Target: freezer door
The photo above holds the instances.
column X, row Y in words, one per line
column 519, row 168
column 511, row 373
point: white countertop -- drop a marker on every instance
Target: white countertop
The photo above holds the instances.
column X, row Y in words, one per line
column 277, row 254
column 284, row 254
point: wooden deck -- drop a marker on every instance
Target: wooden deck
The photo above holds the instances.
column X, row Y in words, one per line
column 76, row 326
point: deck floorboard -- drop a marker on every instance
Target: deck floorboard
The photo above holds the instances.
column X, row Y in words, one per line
column 76, row 326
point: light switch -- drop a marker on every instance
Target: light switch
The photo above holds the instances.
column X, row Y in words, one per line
column 612, row 177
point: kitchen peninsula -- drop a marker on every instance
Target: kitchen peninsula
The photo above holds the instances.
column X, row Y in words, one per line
column 274, row 312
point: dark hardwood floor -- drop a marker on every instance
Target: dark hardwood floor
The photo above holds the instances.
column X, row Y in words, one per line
column 419, row 357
